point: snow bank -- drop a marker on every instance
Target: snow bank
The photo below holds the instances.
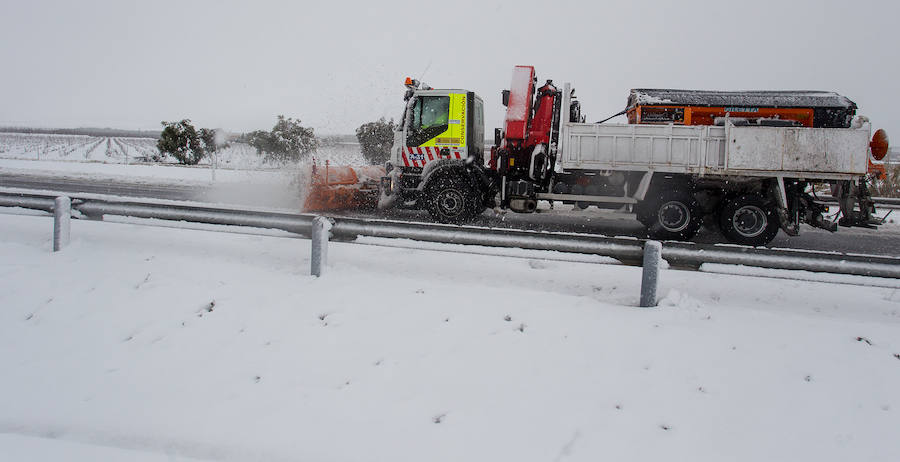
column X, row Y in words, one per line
column 21, row 448
column 168, row 173
column 221, row 346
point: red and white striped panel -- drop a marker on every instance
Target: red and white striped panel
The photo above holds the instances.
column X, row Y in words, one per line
column 418, row 156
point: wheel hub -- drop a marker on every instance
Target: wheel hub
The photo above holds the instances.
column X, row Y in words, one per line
column 450, row 202
column 750, row 221
column 674, row 216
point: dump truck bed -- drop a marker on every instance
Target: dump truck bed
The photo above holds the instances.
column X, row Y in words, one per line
column 825, row 153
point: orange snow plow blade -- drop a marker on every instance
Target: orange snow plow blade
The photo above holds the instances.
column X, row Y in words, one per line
column 342, row 188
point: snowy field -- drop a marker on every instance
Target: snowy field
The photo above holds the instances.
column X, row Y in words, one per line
column 141, row 343
column 115, row 150
column 240, row 176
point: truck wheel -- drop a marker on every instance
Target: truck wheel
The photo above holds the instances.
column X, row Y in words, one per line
column 675, row 216
column 449, row 199
column 748, row 220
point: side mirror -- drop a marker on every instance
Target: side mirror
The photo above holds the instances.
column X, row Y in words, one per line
column 498, row 136
column 505, row 97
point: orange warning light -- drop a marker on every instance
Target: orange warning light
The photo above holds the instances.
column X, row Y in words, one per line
column 879, row 144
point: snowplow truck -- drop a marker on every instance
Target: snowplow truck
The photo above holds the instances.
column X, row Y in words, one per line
column 753, row 162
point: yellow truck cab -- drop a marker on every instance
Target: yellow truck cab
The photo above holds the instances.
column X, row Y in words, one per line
column 441, row 130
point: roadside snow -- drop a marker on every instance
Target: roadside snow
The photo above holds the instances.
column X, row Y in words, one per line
column 269, row 188
column 219, row 346
column 241, row 173
column 126, row 150
column 21, row 448
column 244, row 180
column 165, row 173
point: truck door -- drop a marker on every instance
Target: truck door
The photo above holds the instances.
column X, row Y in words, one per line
column 436, row 127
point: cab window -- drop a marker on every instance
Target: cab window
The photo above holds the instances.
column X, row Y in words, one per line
column 430, row 111
column 429, row 118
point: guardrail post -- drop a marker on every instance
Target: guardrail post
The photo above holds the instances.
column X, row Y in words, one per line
column 650, row 277
column 62, row 218
column 321, row 231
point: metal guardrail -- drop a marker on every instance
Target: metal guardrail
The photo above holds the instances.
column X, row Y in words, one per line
column 895, row 201
column 629, row 251
column 884, row 202
column 96, row 208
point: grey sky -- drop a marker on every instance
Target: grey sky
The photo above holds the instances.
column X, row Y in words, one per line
column 336, row 65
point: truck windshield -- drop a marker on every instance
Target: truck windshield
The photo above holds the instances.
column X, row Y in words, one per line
column 430, row 111
column 430, row 117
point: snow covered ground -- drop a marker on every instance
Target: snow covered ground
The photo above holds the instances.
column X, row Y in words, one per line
column 75, row 148
column 157, row 173
column 87, row 150
column 241, row 176
column 145, row 343
column 22, row 448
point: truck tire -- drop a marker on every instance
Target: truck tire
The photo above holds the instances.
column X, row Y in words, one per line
column 748, row 220
column 450, row 199
column 674, row 216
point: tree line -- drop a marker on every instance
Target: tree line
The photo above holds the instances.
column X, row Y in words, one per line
column 287, row 141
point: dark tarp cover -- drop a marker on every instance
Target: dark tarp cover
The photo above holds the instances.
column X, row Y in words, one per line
column 783, row 99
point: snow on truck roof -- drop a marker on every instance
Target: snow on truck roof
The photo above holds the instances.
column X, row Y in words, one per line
column 781, row 98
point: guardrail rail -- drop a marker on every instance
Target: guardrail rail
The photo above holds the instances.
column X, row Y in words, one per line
column 627, row 250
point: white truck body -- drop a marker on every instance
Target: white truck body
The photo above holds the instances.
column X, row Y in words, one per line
column 800, row 152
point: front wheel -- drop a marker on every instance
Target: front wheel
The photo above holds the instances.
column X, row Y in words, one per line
column 748, row 220
column 450, row 199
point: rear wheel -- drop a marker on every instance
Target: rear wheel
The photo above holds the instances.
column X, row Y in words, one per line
column 674, row 216
column 749, row 220
column 450, row 199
